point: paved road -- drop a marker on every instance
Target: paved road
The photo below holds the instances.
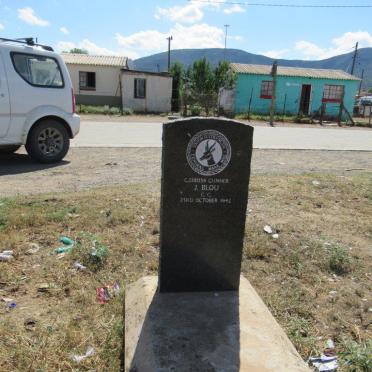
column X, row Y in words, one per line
column 113, row 134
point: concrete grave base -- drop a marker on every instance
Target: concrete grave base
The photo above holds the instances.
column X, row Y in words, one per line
column 204, row 331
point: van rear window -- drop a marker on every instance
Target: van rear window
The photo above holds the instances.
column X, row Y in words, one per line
column 38, row 70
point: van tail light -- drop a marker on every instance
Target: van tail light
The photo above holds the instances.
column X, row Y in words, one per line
column 73, row 101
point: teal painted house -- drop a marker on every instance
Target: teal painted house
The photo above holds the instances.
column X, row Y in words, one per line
column 298, row 90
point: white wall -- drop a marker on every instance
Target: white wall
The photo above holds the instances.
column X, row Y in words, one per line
column 107, row 79
column 158, row 92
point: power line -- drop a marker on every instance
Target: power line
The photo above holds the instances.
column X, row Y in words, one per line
column 281, row 5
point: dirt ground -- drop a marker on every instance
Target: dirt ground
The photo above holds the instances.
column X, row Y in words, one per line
column 165, row 118
column 86, row 168
column 315, row 277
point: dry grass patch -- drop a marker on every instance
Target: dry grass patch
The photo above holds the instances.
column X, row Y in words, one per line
column 315, row 278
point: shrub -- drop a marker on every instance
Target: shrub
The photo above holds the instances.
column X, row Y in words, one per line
column 103, row 110
column 357, row 357
column 195, row 110
column 339, row 260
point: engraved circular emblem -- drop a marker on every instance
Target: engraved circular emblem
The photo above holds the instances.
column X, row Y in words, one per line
column 208, row 152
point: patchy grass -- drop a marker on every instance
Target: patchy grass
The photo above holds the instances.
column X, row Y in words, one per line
column 357, row 356
column 103, row 110
column 315, row 277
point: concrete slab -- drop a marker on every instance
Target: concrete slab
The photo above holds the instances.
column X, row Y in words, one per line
column 205, row 331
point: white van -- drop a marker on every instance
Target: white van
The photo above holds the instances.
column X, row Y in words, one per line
column 37, row 102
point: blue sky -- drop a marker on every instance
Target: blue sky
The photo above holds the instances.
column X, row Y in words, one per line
column 139, row 28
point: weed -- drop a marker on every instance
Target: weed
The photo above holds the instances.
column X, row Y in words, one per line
column 90, row 251
column 300, row 332
column 339, row 260
column 356, row 357
column 105, row 110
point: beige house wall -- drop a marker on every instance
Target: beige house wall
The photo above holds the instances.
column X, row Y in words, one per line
column 158, row 92
column 107, row 90
column 107, row 79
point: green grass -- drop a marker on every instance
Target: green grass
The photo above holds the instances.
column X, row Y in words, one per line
column 103, row 110
column 356, row 357
column 294, row 274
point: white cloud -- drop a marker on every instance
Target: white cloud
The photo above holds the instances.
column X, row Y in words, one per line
column 234, row 9
column 28, row 15
column 276, row 54
column 310, row 50
column 86, row 44
column 236, row 38
column 1, row 27
column 64, row 30
column 339, row 45
column 184, row 37
column 65, row 46
column 189, row 13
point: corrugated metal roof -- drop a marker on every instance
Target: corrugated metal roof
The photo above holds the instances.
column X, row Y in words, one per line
column 315, row 73
column 87, row 59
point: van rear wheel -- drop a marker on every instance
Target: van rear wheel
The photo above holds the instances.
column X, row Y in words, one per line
column 9, row 149
column 48, row 142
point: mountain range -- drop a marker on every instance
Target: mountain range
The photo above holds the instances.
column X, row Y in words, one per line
column 158, row 62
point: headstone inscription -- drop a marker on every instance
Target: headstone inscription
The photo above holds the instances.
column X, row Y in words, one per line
column 205, row 177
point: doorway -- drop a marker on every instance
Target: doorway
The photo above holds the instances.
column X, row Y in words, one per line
column 305, row 99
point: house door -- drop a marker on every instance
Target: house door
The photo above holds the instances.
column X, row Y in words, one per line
column 305, row 99
column 4, row 101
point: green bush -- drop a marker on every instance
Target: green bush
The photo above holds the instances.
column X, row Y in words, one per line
column 339, row 260
column 195, row 110
column 357, row 357
column 102, row 110
column 127, row 111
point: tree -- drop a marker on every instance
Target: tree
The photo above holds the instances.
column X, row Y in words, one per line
column 78, row 51
column 203, row 84
column 369, row 90
column 199, row 85
column 177, row 74
column 224, row 76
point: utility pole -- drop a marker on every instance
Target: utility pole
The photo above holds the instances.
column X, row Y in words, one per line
column 354, row 58
column 361, row 82
column 274, row 73
column 169, row 38
column 224, row 52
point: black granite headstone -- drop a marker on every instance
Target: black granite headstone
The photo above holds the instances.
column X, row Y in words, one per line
column 204, row 193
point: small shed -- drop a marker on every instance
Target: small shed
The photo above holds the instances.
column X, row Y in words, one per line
column 95, row 78
column 146, row 91
column 298, row 90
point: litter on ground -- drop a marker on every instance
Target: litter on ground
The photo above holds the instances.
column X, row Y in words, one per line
column 6, row 256
column 68, row 244
column 79, row 358
column 268, row 229
column 79, row 266
column 106, row 293
column 34, row 248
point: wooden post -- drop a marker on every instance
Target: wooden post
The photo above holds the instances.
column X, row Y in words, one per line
column 274, row 73
column 121, row 95
column 285, row 103
column 321, row 113
column 370, row 116
column 249, row 106
column 341, row 108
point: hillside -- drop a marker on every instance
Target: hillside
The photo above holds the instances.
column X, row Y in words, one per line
column 158, row 62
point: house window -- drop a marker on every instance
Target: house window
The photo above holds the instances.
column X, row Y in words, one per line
column 87, row 80
column 139, row 88
column 266, row 89
column 333, row 93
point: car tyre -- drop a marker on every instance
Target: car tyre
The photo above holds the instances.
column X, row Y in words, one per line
column 48, row 141
column 9, row 149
